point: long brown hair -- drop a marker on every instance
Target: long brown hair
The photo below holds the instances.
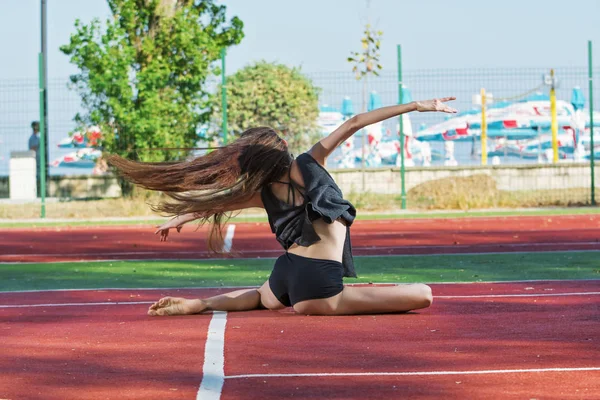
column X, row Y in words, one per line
column 210, row 184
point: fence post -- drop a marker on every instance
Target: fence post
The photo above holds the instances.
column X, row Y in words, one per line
column 223, row 97
column 554, row 121
column 591, row 87
column 402, row 142
column 483, row 128
column 42, row 146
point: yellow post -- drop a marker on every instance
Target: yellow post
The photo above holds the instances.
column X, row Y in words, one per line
column 554, row 124
column 483, row 129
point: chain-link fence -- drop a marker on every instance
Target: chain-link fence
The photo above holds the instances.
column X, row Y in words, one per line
column 521, row 171
column 515, row 177
column 19, row 107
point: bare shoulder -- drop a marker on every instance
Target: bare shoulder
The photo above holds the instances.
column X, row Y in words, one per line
column 319, row 153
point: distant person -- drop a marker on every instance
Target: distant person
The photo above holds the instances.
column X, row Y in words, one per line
column 34, row 145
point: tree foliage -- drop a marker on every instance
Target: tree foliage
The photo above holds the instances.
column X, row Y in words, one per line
column 270, row 94
column 142, row 74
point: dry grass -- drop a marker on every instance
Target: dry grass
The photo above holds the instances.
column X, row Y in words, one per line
column 465, row 193
column 480, row 191
column 136, row 206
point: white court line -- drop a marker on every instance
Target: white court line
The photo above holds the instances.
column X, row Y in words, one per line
column 254, row 286
column 476, row 296
column 228, row 241
column 361, row 248
column 104, row 303
column 213, row 370
column 415, row 373
column 483, row 296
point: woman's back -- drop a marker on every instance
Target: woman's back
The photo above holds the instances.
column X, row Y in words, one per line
column 332, row 236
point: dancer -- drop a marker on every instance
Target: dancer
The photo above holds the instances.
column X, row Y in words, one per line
column 306, row 210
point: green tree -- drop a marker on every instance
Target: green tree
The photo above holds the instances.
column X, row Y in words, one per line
column 143, row 73
column 270, row 94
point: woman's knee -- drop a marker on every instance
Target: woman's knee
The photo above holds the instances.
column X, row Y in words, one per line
column 425, row 295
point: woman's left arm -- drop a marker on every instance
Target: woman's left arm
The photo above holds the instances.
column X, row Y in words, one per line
column 321, row 150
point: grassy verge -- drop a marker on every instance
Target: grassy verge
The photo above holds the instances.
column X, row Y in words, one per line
column 448, row 197
column 451, row 195
column 481, row 191
column 210, row 273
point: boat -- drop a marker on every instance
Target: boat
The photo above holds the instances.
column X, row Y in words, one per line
column 90, row 138
column 82, row 158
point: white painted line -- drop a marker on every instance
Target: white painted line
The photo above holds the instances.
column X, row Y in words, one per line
column 481, row 253
column 415, row 373
column 213, row 371
column 476, row 296
column 479, row 245
column 483, row 296
column 355, row 249
column 104, row 303
column 253, row 286
column 228, row 238
column 141, row 289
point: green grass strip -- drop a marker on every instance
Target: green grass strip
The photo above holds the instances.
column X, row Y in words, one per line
column 248, row 272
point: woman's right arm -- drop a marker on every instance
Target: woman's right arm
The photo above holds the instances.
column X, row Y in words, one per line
column 326, row 146
column 178, row 221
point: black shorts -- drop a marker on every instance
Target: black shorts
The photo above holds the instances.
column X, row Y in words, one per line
column 296, row 278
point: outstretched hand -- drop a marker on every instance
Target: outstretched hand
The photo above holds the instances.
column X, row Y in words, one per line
column 164, row 228
column 436, row 105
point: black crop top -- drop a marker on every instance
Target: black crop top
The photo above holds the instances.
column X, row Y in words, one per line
column 322, row 199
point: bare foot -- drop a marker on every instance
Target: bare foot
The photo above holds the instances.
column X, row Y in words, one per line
column 176, row 306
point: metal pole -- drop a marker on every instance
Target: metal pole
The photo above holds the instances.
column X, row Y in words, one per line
column 44, row 106
column 223, row 97
column 43, row 141
column 402, row 144
column 483, row 128
column 554, row 123
column 364, row 138
column 591, row 83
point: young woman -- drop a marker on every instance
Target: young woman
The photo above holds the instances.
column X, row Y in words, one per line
column 306, row 211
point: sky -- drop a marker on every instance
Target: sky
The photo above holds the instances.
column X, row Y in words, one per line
column 318, row 35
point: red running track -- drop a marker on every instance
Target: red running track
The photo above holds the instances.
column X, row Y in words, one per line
column 116, row 351
column 387, row 237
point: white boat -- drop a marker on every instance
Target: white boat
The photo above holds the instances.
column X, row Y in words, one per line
column 533, row 148
column 83, row 158
column 514, row 121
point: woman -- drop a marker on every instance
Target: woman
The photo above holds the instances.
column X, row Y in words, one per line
column 306, row 212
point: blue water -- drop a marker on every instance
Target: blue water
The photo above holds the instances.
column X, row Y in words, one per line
column 19, row 105
column 463, row 153
column 54, row 153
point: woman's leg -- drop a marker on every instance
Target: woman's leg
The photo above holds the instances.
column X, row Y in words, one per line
column 239, row 300
column 369, row 300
